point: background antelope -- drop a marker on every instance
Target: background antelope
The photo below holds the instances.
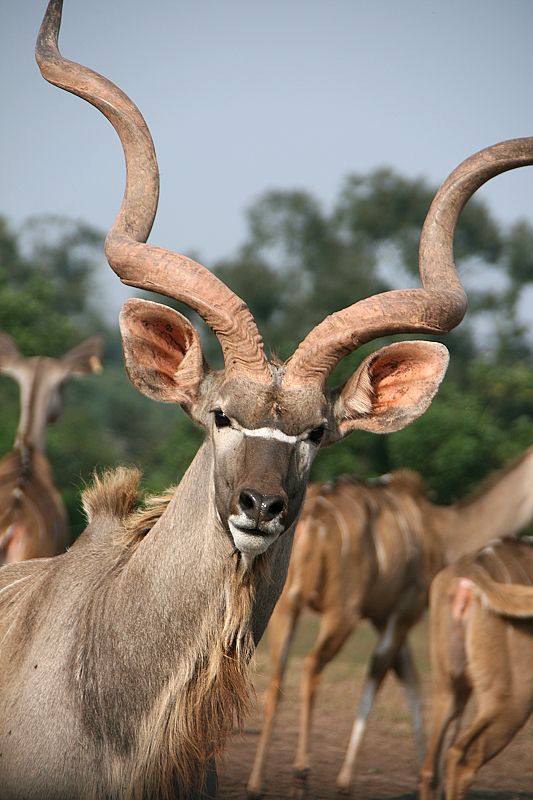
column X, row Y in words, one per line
column 33, row 518
column 481, row 624
column 140, row 635
column 369, row 550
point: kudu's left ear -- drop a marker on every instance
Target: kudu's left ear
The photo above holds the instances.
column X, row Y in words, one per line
column 162, row 352
column 85, row 358
column 391, row 388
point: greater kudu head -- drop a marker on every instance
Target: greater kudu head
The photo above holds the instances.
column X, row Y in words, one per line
column 267, row 421
column 41, row 380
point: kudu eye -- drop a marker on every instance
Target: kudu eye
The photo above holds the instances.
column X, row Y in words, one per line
column 221, row 420
column 317, row 434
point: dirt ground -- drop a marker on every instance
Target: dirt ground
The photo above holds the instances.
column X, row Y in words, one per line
column 387, row 768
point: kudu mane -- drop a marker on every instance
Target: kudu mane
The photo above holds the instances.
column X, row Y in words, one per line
column 211, row 692
column 25, row 478
column 492, row 480
column 17, row 473
column 404, row 478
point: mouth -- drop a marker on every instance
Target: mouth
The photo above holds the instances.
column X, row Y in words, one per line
column 253, row 541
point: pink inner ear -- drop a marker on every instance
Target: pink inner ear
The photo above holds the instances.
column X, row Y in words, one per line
column 392, row 387
column 158, row 342
column 162, row 352
column 170, row 340
column 397, row 380
column 151, row 360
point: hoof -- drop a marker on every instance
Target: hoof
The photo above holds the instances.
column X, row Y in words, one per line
column 299, row 783
column 344, row 783
column 251, row 795
column 301, row 774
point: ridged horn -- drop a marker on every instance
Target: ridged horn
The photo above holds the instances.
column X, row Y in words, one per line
column 439, row 306
column 135, row 262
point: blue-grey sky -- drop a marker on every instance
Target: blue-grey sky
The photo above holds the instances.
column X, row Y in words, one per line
column 242, row 96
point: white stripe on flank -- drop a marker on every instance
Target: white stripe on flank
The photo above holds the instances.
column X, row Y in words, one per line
column 491, row 552
column 381, row 552
column 267, row 433
column 342, row 526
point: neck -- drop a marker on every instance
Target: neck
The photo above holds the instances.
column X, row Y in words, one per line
column 199, row 552
column 502, row 509
column 197, row 615
column 32, row 423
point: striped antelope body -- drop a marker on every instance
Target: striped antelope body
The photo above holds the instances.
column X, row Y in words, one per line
column 358, row 554
column 481, row 626
column 369, row 550
column 134, row 645
column 33, row 519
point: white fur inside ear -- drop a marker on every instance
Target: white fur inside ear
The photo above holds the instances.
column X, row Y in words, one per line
column 360, row 402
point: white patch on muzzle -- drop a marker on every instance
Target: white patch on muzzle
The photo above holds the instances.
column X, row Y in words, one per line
column 248, row 540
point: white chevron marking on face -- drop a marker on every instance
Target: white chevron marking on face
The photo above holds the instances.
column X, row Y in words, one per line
column 267, row 433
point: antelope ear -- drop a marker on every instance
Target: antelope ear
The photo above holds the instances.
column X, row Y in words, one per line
column 84, row 358
column 391, row 388
column 162, row 352
column 9, row 352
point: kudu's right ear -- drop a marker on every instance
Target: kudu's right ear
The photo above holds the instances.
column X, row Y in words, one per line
column 162, row 352
column 9, row 352
column 391, row 388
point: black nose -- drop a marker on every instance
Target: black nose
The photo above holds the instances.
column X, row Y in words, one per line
column 259, row 507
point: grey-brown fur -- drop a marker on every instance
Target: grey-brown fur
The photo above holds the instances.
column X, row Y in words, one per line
column 99, row 634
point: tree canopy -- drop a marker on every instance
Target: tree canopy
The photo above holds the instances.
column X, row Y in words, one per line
column 298, row 263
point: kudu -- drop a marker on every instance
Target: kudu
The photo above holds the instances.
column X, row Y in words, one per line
column 481, row 624
column 369, row 550
column 125, row 661
column 33, row 518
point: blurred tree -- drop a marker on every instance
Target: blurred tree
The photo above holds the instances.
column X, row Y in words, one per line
column 311, row 263
column 298, row 263
column 46, row 270
column 49, row 301
column 45, row 284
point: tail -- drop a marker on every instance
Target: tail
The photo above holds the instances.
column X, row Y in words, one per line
column 507, row 599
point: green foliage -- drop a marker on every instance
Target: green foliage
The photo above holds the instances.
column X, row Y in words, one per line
column 47, row 303
column 298, row 263
column 325, row 261
column 384, row 207
column 453, row 445
column 45, row 275
column 520, row 253
column 10, row 413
